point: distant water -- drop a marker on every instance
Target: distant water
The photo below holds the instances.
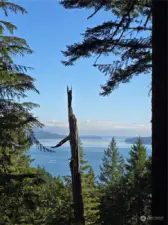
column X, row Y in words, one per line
column 57, row 163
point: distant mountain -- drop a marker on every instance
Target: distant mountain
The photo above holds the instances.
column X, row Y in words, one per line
column 90, row 137
column 47, row 135
column 145, row 140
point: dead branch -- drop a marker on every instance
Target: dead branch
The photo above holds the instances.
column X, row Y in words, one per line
column 62, row 142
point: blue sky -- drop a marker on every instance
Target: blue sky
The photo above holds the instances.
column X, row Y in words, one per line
column 48, row 28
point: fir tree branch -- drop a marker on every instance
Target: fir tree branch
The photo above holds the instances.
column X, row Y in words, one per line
column 96, row 11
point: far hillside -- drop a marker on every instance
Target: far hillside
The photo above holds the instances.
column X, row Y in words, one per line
column 47, row 135
column 145, row 140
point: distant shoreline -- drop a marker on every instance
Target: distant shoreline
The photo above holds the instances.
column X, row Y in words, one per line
column 145, row 140
column 129, row 140
column 48, row 135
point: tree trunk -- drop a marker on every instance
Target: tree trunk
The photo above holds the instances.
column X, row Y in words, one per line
column 75, row 165
column 159, row 111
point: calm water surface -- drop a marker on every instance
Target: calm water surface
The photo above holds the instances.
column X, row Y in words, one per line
column 57, row 163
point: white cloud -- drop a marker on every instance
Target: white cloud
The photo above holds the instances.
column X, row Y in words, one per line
column 100, row 127
column 56, row 123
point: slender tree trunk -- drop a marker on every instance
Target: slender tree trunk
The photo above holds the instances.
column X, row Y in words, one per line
column 159, row 110
column 75, row 165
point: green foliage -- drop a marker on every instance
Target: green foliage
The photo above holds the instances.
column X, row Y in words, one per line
column 138, row 179
column 31, row 195
column 55, row 201
column 124, row 197
column 111, row 185
column 17, row 123
column 19, row 183
column 18, row 197
column 89, row 191
column 112, row 168
column 136, row 162
column 84, row 166
column 127, row 36
column 7, row 6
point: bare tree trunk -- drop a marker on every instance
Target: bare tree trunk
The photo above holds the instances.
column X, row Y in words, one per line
column 74, row 163
column 159, row 110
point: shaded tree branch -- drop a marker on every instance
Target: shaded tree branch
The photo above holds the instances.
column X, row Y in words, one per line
column 62, row 142
column 97, row 10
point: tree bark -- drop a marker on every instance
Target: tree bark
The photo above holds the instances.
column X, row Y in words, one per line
column 159, row 111
column 75, row 165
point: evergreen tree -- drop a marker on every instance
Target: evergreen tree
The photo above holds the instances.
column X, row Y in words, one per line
column 112, row 168
column 126, row 199
column 55, row 203
column 84, row 166
column 111, row 185
column 137, row 183
column 17, row 123
column 136, row 35
column 127, row 36
column 147, row 180
column 137, row 160
column 18, row 197
column 89, row 190
column 52, row 202
column 90, row 196
column 19, row 182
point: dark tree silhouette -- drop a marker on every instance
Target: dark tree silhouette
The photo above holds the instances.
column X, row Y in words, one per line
column 159, row 110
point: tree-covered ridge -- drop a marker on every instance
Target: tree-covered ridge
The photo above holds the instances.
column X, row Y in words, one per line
column 127, row 35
